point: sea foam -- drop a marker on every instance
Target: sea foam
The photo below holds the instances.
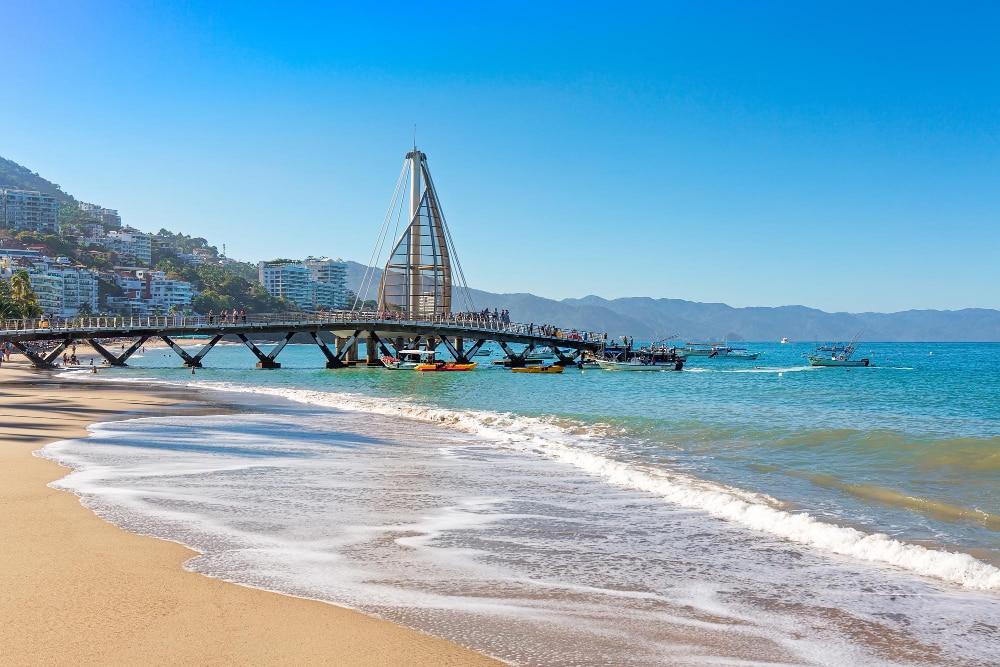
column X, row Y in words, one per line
column 544, row 437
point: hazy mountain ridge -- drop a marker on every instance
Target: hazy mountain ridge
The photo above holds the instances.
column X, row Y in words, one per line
column 646, row 317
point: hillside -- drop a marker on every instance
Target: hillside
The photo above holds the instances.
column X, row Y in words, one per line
column 646, row 317
column 13, row 175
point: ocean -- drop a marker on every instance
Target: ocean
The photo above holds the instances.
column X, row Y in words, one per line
column 738, row 512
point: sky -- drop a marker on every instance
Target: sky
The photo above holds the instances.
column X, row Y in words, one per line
column 843, row 155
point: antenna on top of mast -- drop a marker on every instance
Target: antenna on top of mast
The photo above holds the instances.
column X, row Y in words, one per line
column 414, row 137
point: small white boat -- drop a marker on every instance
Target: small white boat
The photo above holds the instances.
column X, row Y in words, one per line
column 637, row 364
column 784, row 340
column 407, row 360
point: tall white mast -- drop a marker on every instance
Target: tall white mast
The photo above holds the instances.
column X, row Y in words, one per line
column 416, row 196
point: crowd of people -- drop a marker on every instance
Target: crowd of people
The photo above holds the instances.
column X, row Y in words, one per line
column 227, row 317
column 493, row 316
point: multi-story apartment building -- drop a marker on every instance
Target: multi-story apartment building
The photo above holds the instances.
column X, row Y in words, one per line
column 63, row 290
column 108, row 216
column 28, row 210
column 332, row 274
column 314, row 284
column 148, row 292
column 167, row 293
column 289, row 281
column 130, row 245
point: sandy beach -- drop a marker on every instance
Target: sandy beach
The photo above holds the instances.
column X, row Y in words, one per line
column 77, row 590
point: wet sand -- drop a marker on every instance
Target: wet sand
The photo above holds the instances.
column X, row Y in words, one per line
column 77, row 590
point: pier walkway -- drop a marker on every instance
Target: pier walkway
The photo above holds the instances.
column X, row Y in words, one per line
column 336, row 333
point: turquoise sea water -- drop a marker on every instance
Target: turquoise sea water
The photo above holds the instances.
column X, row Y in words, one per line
column 865, row 484
column 910, row 447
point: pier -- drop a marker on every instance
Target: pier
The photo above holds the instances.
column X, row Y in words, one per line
column 414, row 309
column 336, row 333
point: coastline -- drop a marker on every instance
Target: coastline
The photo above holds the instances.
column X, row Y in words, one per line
column 76, row 589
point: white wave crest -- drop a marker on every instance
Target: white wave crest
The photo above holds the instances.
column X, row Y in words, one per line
column 751, row 510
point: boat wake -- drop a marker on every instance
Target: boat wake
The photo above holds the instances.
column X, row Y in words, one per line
column 580, row 446
column 790, row 369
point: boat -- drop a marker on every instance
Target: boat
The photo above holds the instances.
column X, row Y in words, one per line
column 483, row 353
column 838, row 356
column 784, row 340
column 550, row 369
column 528, row 361
column 405, row 360
column 659, row 356
column 638, row 364
column 742, row 353
column 432, row 365
column 445, row 366
column 707, row 349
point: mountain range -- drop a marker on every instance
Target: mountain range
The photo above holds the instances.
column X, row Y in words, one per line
column 645, row 317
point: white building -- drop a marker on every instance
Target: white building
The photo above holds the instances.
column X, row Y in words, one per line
column 108, row 216
column 314, row 284
column 62, row 290
column 147, row 292
column 29, row 210
column 167, row 294
column 129, row 244
column 332, row 274
column 288, row 281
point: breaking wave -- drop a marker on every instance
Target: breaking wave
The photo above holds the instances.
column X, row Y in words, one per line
column 569, row 444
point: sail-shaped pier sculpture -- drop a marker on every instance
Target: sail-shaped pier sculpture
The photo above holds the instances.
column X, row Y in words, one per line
column 417, row 278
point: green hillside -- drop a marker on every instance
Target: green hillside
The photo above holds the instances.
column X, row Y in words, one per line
column 13, row 175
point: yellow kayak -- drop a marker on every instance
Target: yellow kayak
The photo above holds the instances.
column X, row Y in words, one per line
column 444, row 366
column 538, row 369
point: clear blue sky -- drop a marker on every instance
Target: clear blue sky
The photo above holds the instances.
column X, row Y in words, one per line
column 839, row 155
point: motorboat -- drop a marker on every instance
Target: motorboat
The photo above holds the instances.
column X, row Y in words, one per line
column 705, row 349
column 839, row 356
column 407, row 360
column 657, row 357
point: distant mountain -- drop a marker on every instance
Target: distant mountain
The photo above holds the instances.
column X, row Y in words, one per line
column 13, row 175
column 645, row 317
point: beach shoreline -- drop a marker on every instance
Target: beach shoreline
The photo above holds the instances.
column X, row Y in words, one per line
column 75, row 589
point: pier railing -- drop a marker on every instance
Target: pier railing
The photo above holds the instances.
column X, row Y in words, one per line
column 126, row 323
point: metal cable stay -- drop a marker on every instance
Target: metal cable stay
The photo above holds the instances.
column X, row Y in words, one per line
column 429, row 204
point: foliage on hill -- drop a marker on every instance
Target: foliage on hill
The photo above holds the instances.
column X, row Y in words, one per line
column 13, row 175
column 183, row 243
column 220, row 288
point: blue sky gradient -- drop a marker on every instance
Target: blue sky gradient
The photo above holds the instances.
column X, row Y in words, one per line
column 837, row 155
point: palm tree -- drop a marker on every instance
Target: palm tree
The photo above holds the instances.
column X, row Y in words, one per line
column 23, row 296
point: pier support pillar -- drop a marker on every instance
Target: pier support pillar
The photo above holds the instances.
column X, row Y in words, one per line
column 191, row 361
column 123, row 357
column 371, row 350
column 267, row 360
column 332, row 360
column 39, row 361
